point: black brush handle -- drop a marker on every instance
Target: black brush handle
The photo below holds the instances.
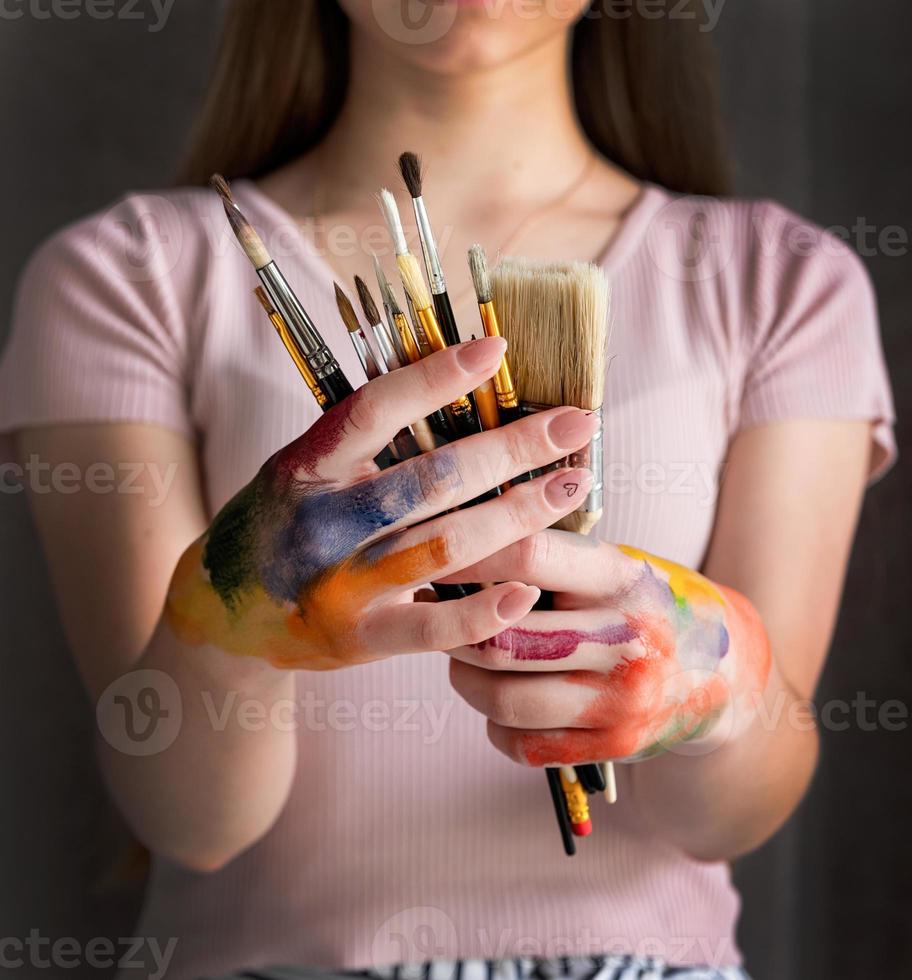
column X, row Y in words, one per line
column 444, row 310
column 335, row 386
column 560, row 811
column 591, row 778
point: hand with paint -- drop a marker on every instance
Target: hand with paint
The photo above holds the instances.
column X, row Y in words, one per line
column 639, row 655
column 306, row 567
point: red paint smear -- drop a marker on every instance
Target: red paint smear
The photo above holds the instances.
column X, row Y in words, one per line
column 556, row 644
column 319, row 441
column 629, row 712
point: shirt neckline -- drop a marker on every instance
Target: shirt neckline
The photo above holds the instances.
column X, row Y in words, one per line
column 616, row 251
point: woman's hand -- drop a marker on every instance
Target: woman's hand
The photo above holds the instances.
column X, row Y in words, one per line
column 640, row 654
column 304, row 567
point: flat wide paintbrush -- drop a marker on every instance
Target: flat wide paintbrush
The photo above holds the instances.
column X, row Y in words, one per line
column 410, row 168
column 555, row 319
column 562, row 360
column 312, row 346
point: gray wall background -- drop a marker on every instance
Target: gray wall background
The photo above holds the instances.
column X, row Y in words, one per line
column 818, row 95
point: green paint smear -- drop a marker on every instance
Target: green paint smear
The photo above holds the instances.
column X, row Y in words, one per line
column 229, row 552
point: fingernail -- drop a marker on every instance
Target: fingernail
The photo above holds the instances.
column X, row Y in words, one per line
column 479, row 354
column 516, row 604
column 570, row 430
column 568, row 485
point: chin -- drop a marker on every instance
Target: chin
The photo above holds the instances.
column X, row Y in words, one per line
column 452, row 37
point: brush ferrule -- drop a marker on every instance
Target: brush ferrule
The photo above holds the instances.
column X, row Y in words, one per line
column 406, row 338
column 595, row 499
column 299, row 323
column 365, row 355
column 385, row 345
column 429, row 248
column 590, row 457
column 299, row 360
column 430, row 327
column 503, row 380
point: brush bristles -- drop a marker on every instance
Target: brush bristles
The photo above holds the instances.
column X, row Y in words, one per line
column 481, row 279
column 393, row 221
column 218, row 183
column 367, row 301
column 346, row 310
column 244, row 231
column 413, row 281
column 410, row 168
column 387, row 296
column 555, row 317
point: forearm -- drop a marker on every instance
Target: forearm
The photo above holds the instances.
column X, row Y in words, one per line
column 718, row 803
column 222, row 782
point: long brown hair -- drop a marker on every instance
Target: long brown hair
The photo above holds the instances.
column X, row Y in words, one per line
column 644, row 90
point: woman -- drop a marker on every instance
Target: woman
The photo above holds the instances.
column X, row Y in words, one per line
column 349, row 819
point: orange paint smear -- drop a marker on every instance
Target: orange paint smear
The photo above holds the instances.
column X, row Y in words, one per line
column 320, row 634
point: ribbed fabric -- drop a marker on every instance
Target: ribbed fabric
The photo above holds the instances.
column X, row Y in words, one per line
column 406, row 837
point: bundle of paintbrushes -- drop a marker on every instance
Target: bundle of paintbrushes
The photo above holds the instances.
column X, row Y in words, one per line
column 555, row 318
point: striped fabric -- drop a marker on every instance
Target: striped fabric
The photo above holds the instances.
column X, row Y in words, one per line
column 519, row 968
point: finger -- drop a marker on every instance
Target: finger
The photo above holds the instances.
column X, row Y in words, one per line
column 514, row 700
column 442, row 625
column 559, row 561
column 420, row 488
column 595, row 642
column 440, row 546
column 563, row 746
column 347, row 437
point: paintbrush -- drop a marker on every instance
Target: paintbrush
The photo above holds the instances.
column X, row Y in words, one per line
column 410, row 168
column 398, row 321
column 564, row 361
column 461, row 411
column 356, row 335
column 422, row 429
column 313, row 348
column 384, row 460
column 384, row 341
column 391, row 308
column 507, row 400
column 281, row 328
column 403, row 445
column 393, row 219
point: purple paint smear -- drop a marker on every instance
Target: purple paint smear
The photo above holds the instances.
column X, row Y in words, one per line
column 557, row 644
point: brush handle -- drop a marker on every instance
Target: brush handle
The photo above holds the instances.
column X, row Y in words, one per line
column 560, row 810
column 335, row 386
column 444, row 311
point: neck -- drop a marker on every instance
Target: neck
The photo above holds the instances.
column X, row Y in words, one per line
column 476, row 129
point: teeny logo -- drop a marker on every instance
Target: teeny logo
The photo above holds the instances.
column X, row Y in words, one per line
column 140, row 713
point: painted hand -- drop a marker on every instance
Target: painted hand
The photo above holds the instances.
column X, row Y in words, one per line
column 308, row 565
column 639, row 655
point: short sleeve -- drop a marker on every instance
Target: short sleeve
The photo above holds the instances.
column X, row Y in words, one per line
column 814, row 350
column 98, row 333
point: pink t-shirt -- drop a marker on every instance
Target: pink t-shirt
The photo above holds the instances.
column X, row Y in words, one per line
column 407, row 836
